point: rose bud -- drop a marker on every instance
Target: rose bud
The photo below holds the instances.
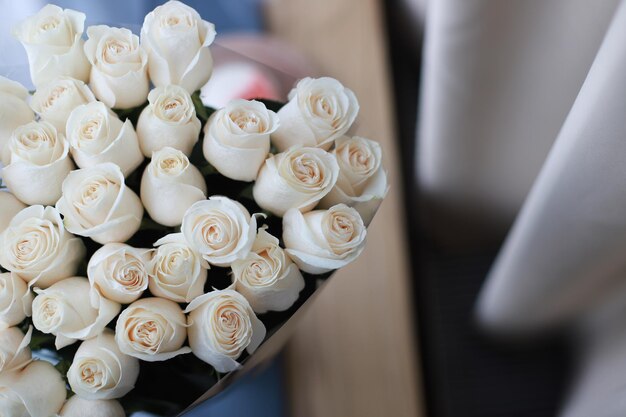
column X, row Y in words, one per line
column 38, row 390
column 177, row 272
column 55, row 100
column 100, row 371
column 71, row 311
column 96, row 135
column 15, row 300
column 177, row 41
column 152, row 329
column 15, row 353
column 80, row 407
column 96, row 203
column 170, row 185
column 220, row 229
column 323, row 240
column 318, row 112
column 169, row 120
column 221, row 326
column 14, row 111
column 267, row 277
column 298, row 178
column 119, row 66
column 10, row 207
column 37, row 248
column 237, row 138
column 38, row 163
column 52, row 40
column 119, row 272
column 362, row 182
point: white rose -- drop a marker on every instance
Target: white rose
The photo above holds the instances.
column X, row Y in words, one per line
column 297, row 178
column 323, row 240
column 38, row 249
column 10, row 207
column 318, row 112
column 237, row 138
column 80, row 407
column 169, row 120
column 14, row 351
column 267, row 277
column 221, row 325
column 100, row 371
column 14, row 110
column 177, row 41
column 55, row 100
column 38, row 163
column 220, row 229
column 362, row 182
column 170, row 185
column 96, row 203
column 38, row 390
column 96, row 135
column 15, row 300
column 119, row 272
column 71, row 311
column 177, row 272
column 52, row 39
column 152, row 329
column 119, row 66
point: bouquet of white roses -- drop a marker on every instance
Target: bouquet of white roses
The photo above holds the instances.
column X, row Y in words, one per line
column 146, row 237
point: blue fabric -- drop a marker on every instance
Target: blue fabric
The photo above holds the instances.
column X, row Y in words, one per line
column 256, row 395
column 227, row 15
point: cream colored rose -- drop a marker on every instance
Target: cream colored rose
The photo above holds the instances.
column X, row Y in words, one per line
column 96, row 135
column 38, row 164
column 71, row 311
column 80, row 407
column 298, row 178
column 177, row 272
column 323, row 240
column 177, row 41
column 220, row 229
column 221, row 326
column 15, row 300
column 152, row 329
column 318, row 112
column 100, row 371
column 119, row 66
column 52, row 39
column 237, row 138
column 119, row 271
column 362, row 182
column 10, row 207
column 55, row 100
column 38, row 390
column 267, row 277
column 96, row 203
column 169, row 120
column 14, row 110
column 170, row 185
column 37, row 247
column 14, row 351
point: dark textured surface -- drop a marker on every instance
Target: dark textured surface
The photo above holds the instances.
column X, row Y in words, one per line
column 467, row 374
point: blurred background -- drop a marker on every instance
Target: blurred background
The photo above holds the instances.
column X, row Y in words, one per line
column 466, row 98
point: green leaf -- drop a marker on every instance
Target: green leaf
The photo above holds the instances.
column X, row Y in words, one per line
column 132, row 114
column 272, row 105
column 41, row 340
column 202, row 111
column 208, row 170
